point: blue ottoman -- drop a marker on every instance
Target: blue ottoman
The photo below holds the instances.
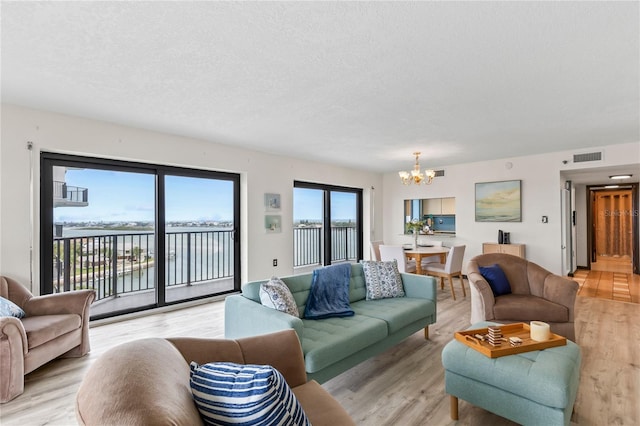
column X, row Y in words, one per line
column 531, row 388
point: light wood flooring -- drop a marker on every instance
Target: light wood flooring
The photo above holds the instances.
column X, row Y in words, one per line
column 402, row 386
column 608, row 285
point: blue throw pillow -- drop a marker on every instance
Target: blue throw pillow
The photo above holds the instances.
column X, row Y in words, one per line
column 10, row 309
column 496, row 279
column 227, row 393
column 329, row 293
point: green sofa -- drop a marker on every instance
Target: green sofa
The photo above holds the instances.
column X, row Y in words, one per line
column 333, row 345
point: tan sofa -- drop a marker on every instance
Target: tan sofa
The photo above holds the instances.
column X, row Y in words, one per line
column 55, row 325
column 146, row 382
column 537, row 294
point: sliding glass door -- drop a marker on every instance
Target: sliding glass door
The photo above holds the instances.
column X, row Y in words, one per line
column 199, row 236
column 141, row 235
column 327, row 224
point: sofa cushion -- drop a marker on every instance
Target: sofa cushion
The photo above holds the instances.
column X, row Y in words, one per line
column 357, row 286
column 396, row 312
column 382, row 279
column 44, row 328
column 529, row 308
column 326, row 342
column 229, row 393
column 276, row 295
column 496, row 279
column 301, row 284
column 10, row 309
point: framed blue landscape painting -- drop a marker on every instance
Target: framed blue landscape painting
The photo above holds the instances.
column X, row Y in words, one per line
column 499, row 201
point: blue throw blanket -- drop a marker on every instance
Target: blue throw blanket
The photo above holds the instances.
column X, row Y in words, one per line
column 329, row 294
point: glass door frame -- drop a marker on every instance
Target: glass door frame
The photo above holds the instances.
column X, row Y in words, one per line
column 49, row 160
column 326, row 215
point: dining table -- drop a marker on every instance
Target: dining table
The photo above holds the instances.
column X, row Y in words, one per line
column 419, row 252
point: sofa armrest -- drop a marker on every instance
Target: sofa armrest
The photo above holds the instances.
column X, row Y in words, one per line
column 562, row 291
column 482, row 299
column 73, row 302
column 282, row 350
column 419, row 286
column 13, row 349
column 244, row 317
column 12, row 332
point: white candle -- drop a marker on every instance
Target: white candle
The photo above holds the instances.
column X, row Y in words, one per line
column 540, row 331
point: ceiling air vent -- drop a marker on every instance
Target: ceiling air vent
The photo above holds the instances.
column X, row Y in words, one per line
column 439, row 173
column 589, row 156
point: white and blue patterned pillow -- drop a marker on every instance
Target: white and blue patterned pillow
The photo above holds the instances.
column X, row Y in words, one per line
column 10, row 309
column 382, row 279
column 276, row 295
column 233, row 394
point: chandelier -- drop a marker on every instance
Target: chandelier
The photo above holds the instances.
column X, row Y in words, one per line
column 415, row 175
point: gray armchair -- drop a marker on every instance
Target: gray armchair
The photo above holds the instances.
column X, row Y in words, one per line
column 536, row 294
column 55, row 325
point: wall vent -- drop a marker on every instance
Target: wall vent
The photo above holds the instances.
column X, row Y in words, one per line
column 589, row 156
column 439, row 173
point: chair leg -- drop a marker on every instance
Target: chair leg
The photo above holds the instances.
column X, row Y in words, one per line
column 464, row 293
column 453, row 292
column 441, row 283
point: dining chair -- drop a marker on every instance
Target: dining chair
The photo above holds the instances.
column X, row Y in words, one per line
column 432, row 259
column 452, row 268
column 375, row 249
column 388, row 253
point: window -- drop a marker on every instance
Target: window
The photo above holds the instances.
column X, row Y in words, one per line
column 141, row 235
column 327, row 224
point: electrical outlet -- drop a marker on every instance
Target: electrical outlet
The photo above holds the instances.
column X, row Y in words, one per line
column 275, row 262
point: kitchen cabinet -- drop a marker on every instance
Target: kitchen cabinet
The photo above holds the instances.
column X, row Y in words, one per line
column 448, row 205
column 432, row 206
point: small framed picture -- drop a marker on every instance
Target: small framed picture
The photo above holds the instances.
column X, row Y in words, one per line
column 272, row 202
column 273, row 223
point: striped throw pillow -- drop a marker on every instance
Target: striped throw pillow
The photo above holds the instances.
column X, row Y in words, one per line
column 234, row 394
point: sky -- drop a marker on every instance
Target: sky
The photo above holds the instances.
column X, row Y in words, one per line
column 129, row 197
column 307, row 204
column 124, row 196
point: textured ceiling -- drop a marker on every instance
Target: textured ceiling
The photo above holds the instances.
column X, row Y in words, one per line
column 360, row 84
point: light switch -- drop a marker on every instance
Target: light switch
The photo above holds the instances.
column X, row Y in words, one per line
column 545, row 219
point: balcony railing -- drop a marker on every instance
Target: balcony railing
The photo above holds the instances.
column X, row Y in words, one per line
column 308, row 245
column 124, row 263
column 116, row 264
column 64, row 194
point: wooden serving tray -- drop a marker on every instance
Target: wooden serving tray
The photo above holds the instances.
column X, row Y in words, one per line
column 519, row 329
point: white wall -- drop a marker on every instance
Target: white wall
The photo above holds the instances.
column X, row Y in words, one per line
column 261, row 173
column 541, row 189
column 540, row 175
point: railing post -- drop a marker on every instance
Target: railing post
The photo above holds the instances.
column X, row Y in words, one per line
column 114, row 266
column 67, row 265
column 346, row 243
column 188, row 258
column 319, row 239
